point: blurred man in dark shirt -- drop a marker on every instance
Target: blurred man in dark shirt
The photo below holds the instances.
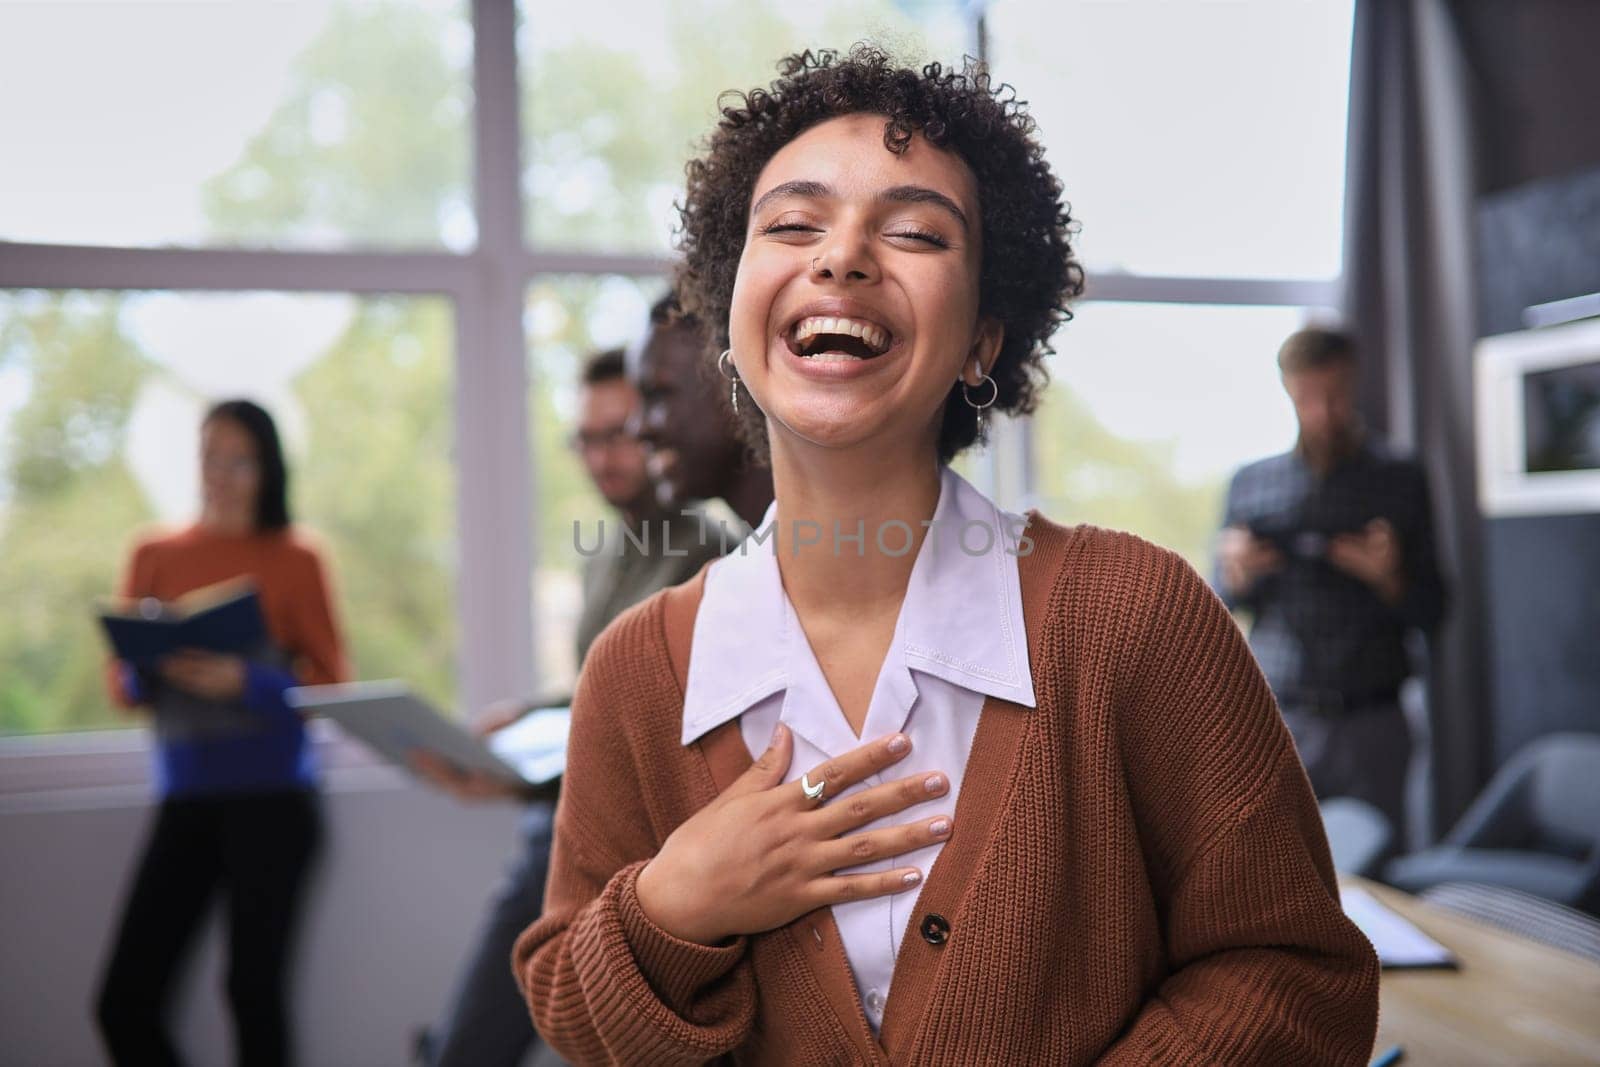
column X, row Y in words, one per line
column 1330, row 547
column 657, row 438
column 486, row 1023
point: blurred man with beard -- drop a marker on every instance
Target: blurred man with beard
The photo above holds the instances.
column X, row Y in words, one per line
column 687, row 424
column 1330, row 548
column 645, row 546
column 657, row 437
column 656, row 539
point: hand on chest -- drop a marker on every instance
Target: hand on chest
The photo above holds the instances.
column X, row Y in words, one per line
column 941, row 721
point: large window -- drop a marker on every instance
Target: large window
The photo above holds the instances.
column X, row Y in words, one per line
column 1201, row 147
column 1196, row 139
column 619, row 94
column 312, row 124
column 404, row 224
column 101, row 396
column 1151, row 407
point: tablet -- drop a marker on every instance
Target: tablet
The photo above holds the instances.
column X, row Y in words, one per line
column 394, row 722
column 536, row 744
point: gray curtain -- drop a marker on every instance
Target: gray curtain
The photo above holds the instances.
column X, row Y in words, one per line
column 1408, row 296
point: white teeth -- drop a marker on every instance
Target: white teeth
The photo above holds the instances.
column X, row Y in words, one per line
column 833, row 357
column 875, row 337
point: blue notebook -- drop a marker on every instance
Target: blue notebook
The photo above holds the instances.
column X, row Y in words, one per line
column 219, row 618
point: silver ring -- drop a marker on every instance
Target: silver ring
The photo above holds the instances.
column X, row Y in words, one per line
column 812, row 792
column 724, row 362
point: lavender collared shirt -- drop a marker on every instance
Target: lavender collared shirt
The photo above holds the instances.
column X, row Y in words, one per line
column 959, row 638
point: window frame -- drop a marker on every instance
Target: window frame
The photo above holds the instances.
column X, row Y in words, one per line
column 496, row 490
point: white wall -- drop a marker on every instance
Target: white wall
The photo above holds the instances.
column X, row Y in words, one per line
column 404, row 878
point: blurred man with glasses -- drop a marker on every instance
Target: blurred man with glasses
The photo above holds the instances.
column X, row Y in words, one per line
column 653, row 435
column 644, row 546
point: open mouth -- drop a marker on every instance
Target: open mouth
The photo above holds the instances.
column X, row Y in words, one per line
column 829, row 339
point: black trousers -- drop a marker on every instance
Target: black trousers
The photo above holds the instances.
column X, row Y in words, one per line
column 255, row 850
column 487, row 1023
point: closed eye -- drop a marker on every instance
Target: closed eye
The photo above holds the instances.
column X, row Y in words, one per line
column 925, row 236
column 788, row 227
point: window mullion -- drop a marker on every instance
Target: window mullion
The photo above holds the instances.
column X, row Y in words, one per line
column 492, row 454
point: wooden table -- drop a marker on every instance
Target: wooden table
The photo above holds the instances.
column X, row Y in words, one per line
column 1514, row 1001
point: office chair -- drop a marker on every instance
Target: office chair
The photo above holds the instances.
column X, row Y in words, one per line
column 1535, row 828
column 1358, row 835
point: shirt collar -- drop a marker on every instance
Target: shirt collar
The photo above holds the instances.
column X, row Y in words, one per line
column 961, row 620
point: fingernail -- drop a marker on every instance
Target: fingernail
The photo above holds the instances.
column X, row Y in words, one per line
column 899, row 743
column 939, row 827
column 777, row 732
column 934, row 782
column 913, row 877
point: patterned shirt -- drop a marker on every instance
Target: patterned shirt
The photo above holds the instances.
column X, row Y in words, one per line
column 1318, row 631
column 625, row 567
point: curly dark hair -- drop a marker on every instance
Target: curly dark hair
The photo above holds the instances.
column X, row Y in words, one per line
column 1028, row 272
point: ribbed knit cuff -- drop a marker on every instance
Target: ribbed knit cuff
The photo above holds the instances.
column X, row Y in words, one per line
column 676, row 969
column 654, row 998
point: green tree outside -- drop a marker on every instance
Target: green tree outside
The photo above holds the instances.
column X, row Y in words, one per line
column 607, row 129
column 1088, row 474
column 70, row 503
column 377, row 483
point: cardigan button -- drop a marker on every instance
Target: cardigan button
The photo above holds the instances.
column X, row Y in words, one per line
column 935, row 929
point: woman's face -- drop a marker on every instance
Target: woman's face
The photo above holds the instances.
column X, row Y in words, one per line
column 856, row 304
column 230, row 473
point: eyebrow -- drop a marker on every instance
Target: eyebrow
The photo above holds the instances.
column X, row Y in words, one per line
column 899, row 194
column 803, row 189
column 921, row 194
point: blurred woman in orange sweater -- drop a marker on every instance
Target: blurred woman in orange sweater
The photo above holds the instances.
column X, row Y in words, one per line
column 236, row 778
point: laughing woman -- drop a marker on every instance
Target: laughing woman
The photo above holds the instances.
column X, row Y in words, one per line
column 904, row 782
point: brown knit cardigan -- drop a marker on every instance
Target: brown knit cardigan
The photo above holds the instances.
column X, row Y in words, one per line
column 1138, row 873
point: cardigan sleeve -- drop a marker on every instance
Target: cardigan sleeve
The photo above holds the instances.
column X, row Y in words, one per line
column 1262, row 965
column 603, row 982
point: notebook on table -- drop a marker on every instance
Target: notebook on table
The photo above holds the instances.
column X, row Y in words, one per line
column 1397, row 940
